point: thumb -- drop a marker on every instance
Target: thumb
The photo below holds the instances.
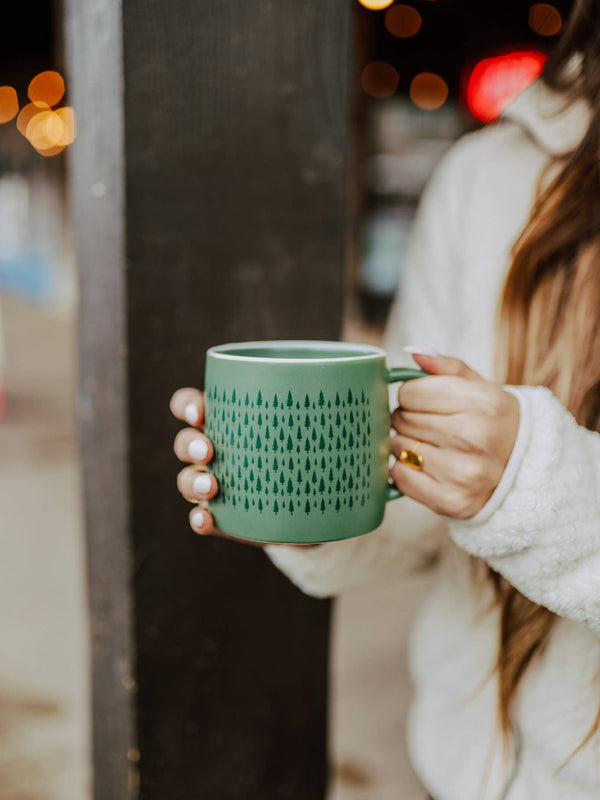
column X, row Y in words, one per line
column 443, row 365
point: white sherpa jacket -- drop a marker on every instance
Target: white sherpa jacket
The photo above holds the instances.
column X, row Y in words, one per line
column 541, row 527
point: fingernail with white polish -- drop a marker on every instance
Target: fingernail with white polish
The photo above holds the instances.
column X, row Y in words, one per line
column 202, row 484
column 191, row 413
column 198, row 449
column 420, row 350
column 197, row 519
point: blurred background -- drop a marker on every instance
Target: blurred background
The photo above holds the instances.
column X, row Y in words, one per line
column 426, row 72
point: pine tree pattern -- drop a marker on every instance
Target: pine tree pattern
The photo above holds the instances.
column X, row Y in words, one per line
column 279, row 456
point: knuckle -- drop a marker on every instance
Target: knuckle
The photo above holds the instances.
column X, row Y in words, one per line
column 410, row 392
column 470, row 473
column 454, row 502
column 485, row 437
column 461, row 438
column 448, row 383
column 398, row 476
column 474, row 436
column 405, row 479
column 403, row 394
column 491, row 403
column 396, row 446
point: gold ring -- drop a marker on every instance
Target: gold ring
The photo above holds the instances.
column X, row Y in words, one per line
column 194, row 500
column 411, row 458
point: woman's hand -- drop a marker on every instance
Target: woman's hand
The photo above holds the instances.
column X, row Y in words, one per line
column 466, row 427
column 194, row 448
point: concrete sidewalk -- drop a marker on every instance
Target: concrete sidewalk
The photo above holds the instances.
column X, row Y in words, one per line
column 44, row 744
column 43, row 675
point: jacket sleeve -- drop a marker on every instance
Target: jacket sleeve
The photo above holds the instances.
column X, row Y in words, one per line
column 423, row 313
column 541, row 527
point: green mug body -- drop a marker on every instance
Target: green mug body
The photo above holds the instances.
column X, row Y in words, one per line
column 301, row 437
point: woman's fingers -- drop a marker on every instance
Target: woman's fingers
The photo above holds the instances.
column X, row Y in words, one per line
column 417, row 485
column 431, row 428
column 424, row 485
column 202, row 521
column 442, row 394
column 450, row 482
column 193, row 483
column 188, row 405
column 433, row 459
column 192, row 446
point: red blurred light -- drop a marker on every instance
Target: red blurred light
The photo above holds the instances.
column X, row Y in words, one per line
column 494, row 82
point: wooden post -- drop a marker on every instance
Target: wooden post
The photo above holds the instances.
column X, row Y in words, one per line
column 219, row 215
column 97, row 187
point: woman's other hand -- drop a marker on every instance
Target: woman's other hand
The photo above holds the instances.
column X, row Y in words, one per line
column 466, row 427
column 194, row 448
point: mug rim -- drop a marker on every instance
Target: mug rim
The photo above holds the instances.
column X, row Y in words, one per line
column 368, row 351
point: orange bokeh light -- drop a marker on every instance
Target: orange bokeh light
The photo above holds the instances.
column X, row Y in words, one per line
column 51, row 151
column 379, row 79
column 9, row 103
column 428, row 91
column 47, row 87
column 26, row 115
column 403, row 21
column 67, row 116
column 375, row 5
column 545, row 19
column 45, row 130
column 48, row 131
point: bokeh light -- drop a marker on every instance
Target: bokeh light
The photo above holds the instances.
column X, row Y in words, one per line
column 67, row 116
column 403, row 21
column 51, row 151
column 379, row 79
column 48, row 131
column 428, row 91
column 545, row 19
column 9, row 103
column 47, row 87
column 495, row 82
column 27, row 113
column 376, row 5
column 45, row 130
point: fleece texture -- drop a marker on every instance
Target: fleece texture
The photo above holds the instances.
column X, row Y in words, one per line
column 541, row 527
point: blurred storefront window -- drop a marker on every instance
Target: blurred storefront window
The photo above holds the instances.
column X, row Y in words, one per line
column 427, row 72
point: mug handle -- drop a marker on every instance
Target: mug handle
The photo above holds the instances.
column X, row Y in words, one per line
column 392, row 375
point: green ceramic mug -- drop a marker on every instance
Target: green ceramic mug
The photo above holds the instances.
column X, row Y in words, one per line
column 301, row 437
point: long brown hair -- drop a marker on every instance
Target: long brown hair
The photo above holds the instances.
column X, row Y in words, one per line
column 550, row 309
